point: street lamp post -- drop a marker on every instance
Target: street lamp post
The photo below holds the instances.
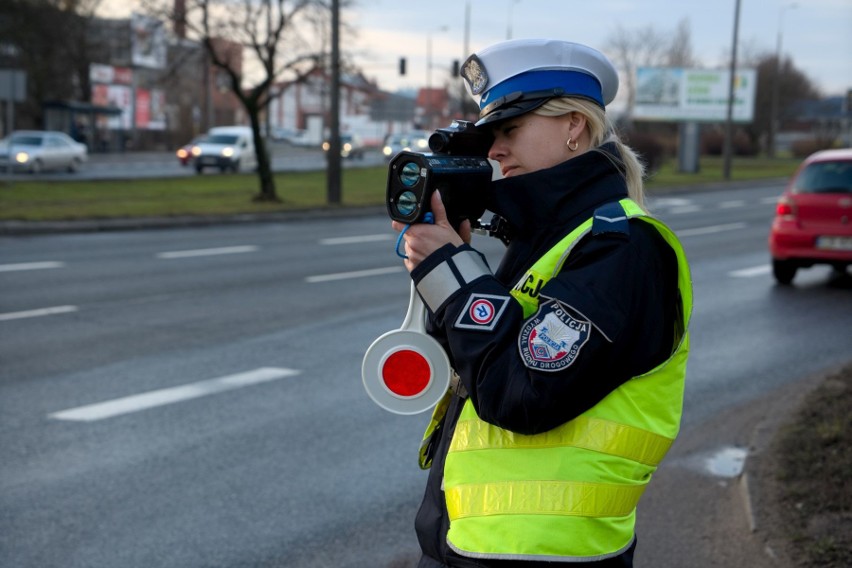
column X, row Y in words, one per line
column 509, row 18
column 776, row 86
column 427, row 99
column 429, row 55
column 729, row 122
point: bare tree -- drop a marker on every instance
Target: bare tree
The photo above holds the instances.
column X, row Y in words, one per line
column 269, row 32
column 49, row 40
column 789, row 84
column 649, row 47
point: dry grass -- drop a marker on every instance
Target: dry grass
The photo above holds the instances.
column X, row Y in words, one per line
column 814, row 455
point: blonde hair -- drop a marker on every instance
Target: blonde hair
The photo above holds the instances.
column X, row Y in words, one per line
column 601, row 131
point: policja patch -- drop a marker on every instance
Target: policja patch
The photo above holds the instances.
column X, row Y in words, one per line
column 552, row 338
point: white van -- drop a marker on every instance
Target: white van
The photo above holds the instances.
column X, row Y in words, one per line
column 229, row 148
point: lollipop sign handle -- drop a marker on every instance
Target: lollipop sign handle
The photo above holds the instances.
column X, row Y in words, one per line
column 415, row 318
column 406, row 371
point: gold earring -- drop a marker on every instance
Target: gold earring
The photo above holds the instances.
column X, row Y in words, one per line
column 574, row 147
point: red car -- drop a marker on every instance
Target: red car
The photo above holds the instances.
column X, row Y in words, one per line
column 187, row 152
column 813, row 218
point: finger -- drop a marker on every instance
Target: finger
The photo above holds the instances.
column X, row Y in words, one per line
column 465, row 231
column 438, row 209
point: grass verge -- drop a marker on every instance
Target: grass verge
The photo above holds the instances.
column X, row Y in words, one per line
column 54, row 200
column 814, row 453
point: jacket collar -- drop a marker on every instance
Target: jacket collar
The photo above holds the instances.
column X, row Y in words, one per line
column 555, row 196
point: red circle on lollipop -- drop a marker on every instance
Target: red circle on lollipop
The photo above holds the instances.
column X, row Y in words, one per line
column 406, row 373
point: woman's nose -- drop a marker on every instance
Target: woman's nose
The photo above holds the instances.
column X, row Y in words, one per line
column 497, row 151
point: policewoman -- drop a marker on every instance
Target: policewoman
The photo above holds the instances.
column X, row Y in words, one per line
column 571, row 356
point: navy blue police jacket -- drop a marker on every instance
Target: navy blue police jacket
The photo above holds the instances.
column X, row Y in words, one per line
column 623, row 283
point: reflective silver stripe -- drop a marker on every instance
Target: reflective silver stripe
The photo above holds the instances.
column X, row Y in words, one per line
column 470, row 265
column 437, row 286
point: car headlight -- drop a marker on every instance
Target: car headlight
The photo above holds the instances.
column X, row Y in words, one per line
column 347, row 147
column 227, row 152
column 182, row 153
column 422, row 143
column 326, row 146
column 22, row 157
column 387, row 150
column 196, row 151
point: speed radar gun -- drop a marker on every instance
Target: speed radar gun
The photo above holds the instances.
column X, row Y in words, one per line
column 457, row 167
column 406, row 371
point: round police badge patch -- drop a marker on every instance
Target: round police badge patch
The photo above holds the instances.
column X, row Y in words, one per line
column 552, row 339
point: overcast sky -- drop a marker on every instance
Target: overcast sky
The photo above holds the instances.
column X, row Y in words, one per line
column 817, row 34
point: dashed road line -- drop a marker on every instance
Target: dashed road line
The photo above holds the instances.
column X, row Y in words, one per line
column 356, row 240
column 206, row 252
column 355, row 274
column 162, row 397
column 751, row 272
column 685, row 209
column 38, row 313
column 31, row 266
column 711, row 229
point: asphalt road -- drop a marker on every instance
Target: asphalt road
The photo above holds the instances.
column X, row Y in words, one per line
column 192, row 397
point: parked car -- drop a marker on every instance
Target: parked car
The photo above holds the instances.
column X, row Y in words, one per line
column 293, row 137
column 228, row 148
column 185, row 152
column 35, row 151
column 813, row 218
column 414, row 141
column 351, row 146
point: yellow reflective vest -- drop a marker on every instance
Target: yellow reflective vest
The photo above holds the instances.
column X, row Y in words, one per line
column 568, row 494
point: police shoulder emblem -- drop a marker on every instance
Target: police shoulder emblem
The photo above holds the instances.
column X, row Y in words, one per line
column 482, row 312
column 552, row 338
column 474, row 73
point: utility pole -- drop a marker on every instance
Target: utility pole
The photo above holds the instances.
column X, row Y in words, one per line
column 333, row 189
column 776, row 87
column 729, row 126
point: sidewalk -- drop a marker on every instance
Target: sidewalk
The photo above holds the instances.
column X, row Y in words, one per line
column 704, row 520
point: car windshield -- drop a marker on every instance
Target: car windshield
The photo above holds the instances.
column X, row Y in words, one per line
column 222, row 139
column 27, row 140
column 826, row 177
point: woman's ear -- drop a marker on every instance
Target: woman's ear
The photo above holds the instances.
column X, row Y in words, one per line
column 576, row 124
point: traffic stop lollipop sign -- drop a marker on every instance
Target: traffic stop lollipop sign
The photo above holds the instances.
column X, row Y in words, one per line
column 405, row 371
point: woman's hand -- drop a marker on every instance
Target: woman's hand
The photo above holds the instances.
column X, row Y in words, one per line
column 422, row 239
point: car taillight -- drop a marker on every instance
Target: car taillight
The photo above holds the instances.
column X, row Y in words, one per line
column 785, row 209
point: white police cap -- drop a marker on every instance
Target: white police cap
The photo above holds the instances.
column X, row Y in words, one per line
column 516, row 76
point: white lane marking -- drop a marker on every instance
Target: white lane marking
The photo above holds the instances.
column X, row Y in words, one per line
column 669, row 201
column 207, row 252
column 356, row 240
column 709, row 230
column 38, row 313
column 31, row 266
column 685, row 209
column 771, row 200
column 356, row 274
column 751, row 272
column 732, row 204
column 153, row 399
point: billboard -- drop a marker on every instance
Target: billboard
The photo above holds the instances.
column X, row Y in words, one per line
column 148, row 42
column 693, row 95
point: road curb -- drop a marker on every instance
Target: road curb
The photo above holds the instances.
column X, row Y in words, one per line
column 22, row 228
